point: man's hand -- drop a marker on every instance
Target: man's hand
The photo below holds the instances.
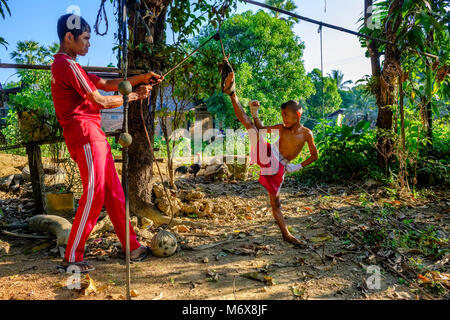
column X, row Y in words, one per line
column 141, row 92
column 293, row 167
column 148, row 78
column 254, row 107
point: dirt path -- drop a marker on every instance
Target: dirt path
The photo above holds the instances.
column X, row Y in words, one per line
column 332, row 268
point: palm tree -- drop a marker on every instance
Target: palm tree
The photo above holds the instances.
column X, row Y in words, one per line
column 287, row 5
column 338, row 76
column 3, row 10
column 30, row 52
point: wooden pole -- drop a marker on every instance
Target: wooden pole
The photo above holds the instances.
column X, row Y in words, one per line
column 48, row 67
column 37, row 177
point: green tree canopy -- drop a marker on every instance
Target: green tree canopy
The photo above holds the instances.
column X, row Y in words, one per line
column 332, row 98
column 267, row 58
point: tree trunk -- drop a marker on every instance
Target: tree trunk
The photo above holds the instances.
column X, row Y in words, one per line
column 385, row 83
column 141, row 161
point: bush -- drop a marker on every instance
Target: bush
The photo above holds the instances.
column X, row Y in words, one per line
column 345, row 153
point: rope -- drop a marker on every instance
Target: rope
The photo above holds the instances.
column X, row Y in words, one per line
column 100, row 14
column 172, row 214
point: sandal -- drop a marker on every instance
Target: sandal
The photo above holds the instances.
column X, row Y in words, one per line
column 82, row 267
column 144, row 255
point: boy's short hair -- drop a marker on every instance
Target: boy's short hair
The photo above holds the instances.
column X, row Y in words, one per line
column 72, row 23
column 293, row 105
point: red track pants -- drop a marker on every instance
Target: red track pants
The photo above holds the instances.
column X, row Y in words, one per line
column 101, row 186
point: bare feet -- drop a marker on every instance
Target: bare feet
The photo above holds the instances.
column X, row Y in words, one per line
column 290, row 238
column 137, row 252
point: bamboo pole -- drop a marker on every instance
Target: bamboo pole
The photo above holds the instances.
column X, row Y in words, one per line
column 48, row 67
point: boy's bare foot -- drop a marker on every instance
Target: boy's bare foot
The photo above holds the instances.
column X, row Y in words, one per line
column 290, row 238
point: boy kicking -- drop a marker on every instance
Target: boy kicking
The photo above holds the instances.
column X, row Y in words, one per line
column 273, row 158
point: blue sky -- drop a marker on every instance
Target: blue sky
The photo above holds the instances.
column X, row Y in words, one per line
column 36, row 20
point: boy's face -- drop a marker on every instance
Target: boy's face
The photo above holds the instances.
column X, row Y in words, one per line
column 290, row 117
column 81, row 45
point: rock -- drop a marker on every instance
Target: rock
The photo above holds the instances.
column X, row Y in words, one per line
column 17, row 181
column 146, row 223
column 5, row 182
column 217, row 172
column 208, row 208
column 158, row 190
column 134, row 222
column 188, row 195
column 104, row 225
column 205, row 260
column 4, row 247
column 238, row 168
column 164, row 206
column 191, row 207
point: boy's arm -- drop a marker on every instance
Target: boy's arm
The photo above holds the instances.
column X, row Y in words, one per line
column 312, row 150
column 112, row 84
column 254, row 107
column 240, row 113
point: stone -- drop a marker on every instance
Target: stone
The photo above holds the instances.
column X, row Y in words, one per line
column 146, row 223
column 164, row 205
column 5, row 182
column 4, row 247
column 217, row 172
column 104, row 225
column 188, row 195
column 158, row 191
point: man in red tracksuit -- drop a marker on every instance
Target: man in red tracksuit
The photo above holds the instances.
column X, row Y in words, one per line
column 77, row 104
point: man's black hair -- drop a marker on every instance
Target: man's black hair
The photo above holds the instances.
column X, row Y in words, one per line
column 72, row 23
column 292, row 105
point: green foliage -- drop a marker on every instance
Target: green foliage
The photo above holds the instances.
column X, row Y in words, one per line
column 3, row 9
column 30, row 52
column 344, row 153
column 34, row 101
column 338, row 77
column 357, row 99
column 267, row 60
column 332, row 98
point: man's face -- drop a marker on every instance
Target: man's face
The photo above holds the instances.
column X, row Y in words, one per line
column 289, row 117
column 81, row 45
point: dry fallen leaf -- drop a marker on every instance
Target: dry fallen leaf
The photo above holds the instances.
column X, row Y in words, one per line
column 159, row 297
column 134, row 293
column 91, row 288
column 181, row 228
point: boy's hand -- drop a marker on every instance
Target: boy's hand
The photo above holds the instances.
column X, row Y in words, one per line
column 254, row 107
column 293, row 167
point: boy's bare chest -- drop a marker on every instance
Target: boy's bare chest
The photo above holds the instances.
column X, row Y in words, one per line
column 291, row 144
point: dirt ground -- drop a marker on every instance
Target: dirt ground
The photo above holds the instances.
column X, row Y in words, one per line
column 218, row 260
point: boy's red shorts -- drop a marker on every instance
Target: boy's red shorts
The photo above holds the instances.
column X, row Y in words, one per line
column 271, row 175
